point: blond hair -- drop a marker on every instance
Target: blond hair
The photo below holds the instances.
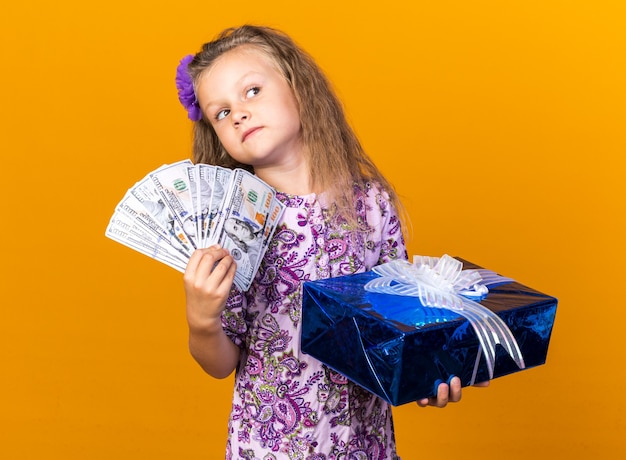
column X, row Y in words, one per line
column 335, row 156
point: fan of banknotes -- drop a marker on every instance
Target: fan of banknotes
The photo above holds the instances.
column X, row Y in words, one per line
column 181, row 207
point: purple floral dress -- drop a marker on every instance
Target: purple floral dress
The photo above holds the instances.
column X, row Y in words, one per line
column 286, row 404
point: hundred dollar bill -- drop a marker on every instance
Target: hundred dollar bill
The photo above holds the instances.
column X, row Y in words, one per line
column 124, row 231
column 145, row 191
column 180, row 207
column 220, row 187
column 193, row 177
column 162, row 247
column 134, row 209
column 172, row 183
column 276, row 212
column 248, row 207
column 205, row 186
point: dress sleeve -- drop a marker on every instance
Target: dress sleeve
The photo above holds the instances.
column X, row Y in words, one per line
column 385, row 240
column 234, row 317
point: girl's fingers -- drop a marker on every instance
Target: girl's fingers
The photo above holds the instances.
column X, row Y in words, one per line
column 192, row 264
column 455, row 390
column 222, row 267
column 202, row 257
column 223, row 274
column 446, row 393
column 210, row 268
column 443, row 396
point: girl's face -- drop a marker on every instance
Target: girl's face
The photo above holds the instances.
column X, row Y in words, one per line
column 252, row 108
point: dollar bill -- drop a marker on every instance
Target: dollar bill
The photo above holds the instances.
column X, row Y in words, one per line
column 158, row 209
column 248, row 207
column 181, row 206
column 172, row 183
column 125, row 231
column 194, row 190
column 221, row 187
column 212, row 181
column 275, row 214
column 134, row 209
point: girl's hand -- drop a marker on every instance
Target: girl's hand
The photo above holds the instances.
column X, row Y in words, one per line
column 208, row 279
column 447, row 393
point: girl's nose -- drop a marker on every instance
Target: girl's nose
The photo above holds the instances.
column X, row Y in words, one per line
column 240, row 115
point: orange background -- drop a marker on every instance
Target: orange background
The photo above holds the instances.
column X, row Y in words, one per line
column 500, row 122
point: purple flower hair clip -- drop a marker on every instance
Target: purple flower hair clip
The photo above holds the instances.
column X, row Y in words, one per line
column 186, row 94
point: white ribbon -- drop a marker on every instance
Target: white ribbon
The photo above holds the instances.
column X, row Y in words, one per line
column 442, row 283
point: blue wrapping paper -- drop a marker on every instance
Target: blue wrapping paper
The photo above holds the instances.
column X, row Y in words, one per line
column 403, row 362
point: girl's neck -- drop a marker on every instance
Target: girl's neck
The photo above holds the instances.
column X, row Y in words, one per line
column 293, row 178
column 293, row 182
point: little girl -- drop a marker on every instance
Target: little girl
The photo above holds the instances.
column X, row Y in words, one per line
column 261, row 103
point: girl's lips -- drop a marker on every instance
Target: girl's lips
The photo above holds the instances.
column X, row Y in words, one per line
column 247, row 133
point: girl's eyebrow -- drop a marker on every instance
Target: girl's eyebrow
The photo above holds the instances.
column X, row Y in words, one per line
column 250, row 74
column 241, row 80
column 208, row 105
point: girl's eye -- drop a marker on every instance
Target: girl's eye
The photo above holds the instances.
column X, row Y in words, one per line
column 222, row 114
column 253, row 91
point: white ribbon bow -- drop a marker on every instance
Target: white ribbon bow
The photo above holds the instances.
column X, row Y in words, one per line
column 442, row 283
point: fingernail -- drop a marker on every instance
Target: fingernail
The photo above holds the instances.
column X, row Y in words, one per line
column 436, row 387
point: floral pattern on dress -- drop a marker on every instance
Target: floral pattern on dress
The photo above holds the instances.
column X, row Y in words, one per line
column 286, row 404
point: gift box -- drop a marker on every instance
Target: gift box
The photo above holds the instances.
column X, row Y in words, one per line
column 400, row 349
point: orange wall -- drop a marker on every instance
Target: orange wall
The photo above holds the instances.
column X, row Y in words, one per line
column 500, row 122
